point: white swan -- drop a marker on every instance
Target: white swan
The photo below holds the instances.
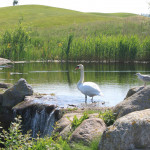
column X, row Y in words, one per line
column 87, row 88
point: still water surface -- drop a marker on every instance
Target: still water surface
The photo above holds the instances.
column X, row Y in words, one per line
column 61, row 80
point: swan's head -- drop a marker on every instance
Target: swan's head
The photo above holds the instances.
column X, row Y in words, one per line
column 138, row 74
column 80, row 66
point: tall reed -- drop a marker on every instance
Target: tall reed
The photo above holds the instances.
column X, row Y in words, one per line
column 18, row 44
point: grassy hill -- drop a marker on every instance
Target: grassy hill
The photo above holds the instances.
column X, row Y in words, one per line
column 55, row 33
column 50, row 20
column 47, row 17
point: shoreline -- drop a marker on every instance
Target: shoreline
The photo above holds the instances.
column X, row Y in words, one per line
column 7, row 61
column 82, row 61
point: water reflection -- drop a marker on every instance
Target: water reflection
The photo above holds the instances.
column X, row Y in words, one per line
column 61, row 79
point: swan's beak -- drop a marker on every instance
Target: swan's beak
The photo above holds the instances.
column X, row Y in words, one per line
column 76, row 68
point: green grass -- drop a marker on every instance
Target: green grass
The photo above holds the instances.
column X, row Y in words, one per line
column 48, row 17
column 55, row 33
column 115, row 14
column 51, row 21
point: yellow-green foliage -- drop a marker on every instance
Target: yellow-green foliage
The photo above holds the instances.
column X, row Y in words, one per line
column 76, row 122
column 54, row 33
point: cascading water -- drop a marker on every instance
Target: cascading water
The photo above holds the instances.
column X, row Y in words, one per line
column 37, row 118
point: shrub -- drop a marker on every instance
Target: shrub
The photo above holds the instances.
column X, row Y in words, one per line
column 14, row 139
column 47, row 143
column 108, row 117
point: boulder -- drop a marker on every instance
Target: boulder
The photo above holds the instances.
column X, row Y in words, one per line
column 133, row 91
column 88, row 130
column 130, row 132
column 138, row 101
column 63, row 125
column 17, row 93
column 5, row 85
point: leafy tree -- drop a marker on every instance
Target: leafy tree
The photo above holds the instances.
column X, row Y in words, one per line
column 15, row 2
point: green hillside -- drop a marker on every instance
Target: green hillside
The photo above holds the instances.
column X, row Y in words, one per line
column 47, row 17
column 41, row 32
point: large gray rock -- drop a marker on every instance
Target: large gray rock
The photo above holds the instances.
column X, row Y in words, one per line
column 138, row 101
column 17, row 93
column 133, row 91
column 88, row 130
column 130, row 132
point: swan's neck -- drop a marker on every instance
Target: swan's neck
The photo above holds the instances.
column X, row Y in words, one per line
column 81, row 76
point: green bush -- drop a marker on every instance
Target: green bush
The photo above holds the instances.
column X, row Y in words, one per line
column 47, row 143
column 14, row 139
column 108, row 117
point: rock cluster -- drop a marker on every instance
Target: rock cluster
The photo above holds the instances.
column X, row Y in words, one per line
column 131, row 129
column 128, row 132
column 36, row 115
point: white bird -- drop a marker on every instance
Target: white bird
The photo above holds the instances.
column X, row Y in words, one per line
column 144, row 78
column 87, row 88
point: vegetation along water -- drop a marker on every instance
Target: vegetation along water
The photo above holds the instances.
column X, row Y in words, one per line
column 48, row 33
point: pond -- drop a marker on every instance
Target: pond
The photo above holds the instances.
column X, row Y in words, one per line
column 60, row 80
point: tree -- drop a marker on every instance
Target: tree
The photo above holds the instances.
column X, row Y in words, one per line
column 15, row 2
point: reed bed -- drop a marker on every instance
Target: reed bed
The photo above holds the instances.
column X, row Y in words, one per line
column 18, row 45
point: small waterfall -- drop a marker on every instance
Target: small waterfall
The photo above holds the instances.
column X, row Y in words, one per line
column 49, row 124
column 39, row 120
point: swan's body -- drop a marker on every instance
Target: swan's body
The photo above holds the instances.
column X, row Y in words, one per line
column 144, row 78
column 87, row 88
